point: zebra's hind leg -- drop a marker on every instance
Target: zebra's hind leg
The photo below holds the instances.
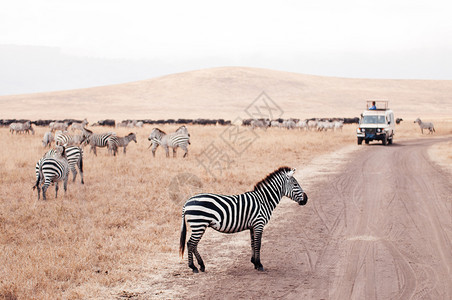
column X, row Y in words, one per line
column 74, row 173
column 56, row 189
column 185, row 149
column 192, row 246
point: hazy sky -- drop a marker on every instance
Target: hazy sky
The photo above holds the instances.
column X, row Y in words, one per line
column 143, row 39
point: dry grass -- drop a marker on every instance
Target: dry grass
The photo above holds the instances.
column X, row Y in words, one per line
column 124, row 222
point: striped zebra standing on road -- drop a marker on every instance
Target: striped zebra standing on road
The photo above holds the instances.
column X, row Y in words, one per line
column 99, row 140
column 425, row 125
column 115, row 142
column 230, row 214
column 52, row 168
column 173, row 140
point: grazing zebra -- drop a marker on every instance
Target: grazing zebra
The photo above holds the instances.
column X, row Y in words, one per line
column 47, row 139
column 98, row 140
column 115, row 142
column 338, row 125
column 74, row 156
column 260, row 124
column 173, row 140
column 426, row 125
column 229, row 214
column 301, row 125
column 52, row 168
column 68, row 139
column 21, row 128
column 275, row 123
column 79, row 126
column 58, row 126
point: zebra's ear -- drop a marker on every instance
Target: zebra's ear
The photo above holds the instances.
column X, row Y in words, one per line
column 291, row 172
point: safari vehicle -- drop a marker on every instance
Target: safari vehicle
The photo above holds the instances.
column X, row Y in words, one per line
column 376, row 123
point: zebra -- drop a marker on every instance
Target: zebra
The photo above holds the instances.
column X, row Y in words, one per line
column 261, row 123
column 52, row 168
column 229, row 214
column 47, row 139
column 21, row 127
column 74, row 156
column 98, row 140
column 68, row 139
column 115, row 142
column 79, row 126
column 426, row 125
column 58, row 126
column 173, row 140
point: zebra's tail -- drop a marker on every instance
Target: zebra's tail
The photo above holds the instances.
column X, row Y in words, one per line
column 183, row 236
column 38, row 179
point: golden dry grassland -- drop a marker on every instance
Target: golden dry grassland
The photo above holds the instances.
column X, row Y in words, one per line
column 125, row 220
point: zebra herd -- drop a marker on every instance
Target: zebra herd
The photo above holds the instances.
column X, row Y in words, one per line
column 317, row 124
column 67, row 155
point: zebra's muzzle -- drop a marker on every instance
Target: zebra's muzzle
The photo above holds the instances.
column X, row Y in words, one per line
column 305, row 199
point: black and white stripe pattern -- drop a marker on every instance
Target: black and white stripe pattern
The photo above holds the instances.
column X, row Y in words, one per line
column 52, row 168
column 74, row 156
column 114, row 142
column 64, row 138
column 229, row 214
column 173, row 140
column 99, row 140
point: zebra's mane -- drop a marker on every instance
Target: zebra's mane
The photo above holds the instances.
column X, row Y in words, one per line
column 270, row 176
column 159, row 130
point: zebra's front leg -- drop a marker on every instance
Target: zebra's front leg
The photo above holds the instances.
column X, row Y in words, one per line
column 257, row 248
column 166, row 150
column 174, row 152
column 252, row 245
column 154, row 148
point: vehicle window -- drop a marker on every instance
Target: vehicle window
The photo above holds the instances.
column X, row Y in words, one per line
column 373, row 120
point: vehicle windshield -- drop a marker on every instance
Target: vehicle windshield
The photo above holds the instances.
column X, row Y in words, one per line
column 373, row 120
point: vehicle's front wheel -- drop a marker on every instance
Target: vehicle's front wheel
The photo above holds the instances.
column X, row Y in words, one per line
column 384, row 140
column 360, row 140
column 390, row 140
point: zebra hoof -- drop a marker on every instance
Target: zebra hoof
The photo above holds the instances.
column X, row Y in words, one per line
column 260, row 269
column 202, row 268
column 195, row 270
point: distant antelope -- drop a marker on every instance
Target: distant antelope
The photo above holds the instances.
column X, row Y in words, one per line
column 426, row 125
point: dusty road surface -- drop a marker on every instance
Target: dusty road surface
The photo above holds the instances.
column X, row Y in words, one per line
column 379, row 227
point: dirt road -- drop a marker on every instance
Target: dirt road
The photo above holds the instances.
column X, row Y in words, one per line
column 379, row 227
